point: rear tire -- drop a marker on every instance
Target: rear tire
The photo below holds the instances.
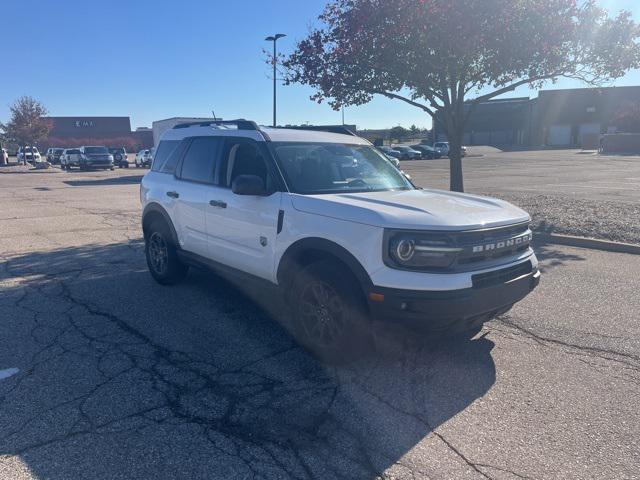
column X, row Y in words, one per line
column 329, row 313
column 162, row 257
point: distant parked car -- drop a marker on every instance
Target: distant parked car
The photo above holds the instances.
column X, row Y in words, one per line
column 53, row 155
column 30, row 154
column 427, row 151
column 408, row 153
column 95, row 157
column 87, row 157
column 390, row 152
column 442, row 147
column 70, row 158
column 120, row 157
column 144, row 158
column 4, row 157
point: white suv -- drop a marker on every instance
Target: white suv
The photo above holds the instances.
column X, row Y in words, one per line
column 324, row 222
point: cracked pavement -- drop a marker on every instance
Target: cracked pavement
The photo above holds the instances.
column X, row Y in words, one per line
column 122, row 378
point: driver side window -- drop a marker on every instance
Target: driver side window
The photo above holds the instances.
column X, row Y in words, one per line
column 242, row 157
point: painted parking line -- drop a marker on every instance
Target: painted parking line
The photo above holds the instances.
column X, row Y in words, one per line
column 9, row 372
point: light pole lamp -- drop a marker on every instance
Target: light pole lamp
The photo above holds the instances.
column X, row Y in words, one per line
column 274, row 39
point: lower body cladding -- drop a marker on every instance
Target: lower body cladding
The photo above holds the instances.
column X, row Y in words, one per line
column 492, row 293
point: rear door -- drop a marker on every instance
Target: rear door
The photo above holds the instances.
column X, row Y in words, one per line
column 242, row 229
column 194, row 180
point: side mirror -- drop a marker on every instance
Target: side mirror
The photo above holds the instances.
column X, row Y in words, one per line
column 248, row 185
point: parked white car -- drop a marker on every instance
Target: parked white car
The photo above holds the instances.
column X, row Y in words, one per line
column 70, row 158
column 325, row 224
column 144, row 158
column 31, row 154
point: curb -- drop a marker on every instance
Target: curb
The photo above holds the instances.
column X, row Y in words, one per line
column 591, row 243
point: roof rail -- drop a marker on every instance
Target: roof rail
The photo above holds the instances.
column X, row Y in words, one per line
column 240, row 123
column 329, row 128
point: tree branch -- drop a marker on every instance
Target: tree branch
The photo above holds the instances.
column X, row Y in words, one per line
column 407, row 100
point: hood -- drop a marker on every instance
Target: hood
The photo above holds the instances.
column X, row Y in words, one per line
column 413, row 209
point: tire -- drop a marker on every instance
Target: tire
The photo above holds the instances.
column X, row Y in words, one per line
column 112, row 168
column 329, row 314
column 162, row 258
column 126, row 165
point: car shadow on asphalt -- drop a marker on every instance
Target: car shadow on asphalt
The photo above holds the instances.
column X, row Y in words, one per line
column 100, row 182
column 121, row 377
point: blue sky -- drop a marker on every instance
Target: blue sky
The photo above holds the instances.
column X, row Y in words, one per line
column 156, row 59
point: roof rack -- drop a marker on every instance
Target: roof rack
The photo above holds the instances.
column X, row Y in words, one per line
column 329, row 128
column 240, row 123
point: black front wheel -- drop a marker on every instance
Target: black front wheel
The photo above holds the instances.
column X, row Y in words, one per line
column 162, row 258
column 329, row 313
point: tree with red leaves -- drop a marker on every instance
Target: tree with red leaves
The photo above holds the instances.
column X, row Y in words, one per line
column 627, row 118
column 27, row 125
column 447, row 56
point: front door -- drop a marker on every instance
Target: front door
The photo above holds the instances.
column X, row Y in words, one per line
column 242, row 229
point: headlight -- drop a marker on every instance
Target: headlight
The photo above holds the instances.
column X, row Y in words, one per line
column 418, row 250
column 110, row 158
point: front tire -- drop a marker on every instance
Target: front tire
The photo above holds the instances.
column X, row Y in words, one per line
column 329, row 313
column 162, row 257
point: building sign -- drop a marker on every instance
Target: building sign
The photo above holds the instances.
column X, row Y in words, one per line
column 84, row 123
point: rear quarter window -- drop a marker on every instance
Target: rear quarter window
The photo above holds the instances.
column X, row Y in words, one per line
column 166, row 157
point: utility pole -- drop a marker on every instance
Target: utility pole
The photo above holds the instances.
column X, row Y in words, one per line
column 274, row 39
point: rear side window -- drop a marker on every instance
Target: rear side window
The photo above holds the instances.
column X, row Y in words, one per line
column 201, row 158
column 164, row 160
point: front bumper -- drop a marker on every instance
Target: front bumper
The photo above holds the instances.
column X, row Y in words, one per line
column 453, row 310
column 97, row 164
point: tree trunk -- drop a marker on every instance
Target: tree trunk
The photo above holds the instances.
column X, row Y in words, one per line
column 455, row 135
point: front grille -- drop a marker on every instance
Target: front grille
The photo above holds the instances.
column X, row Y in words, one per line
column 497, row 277
column 485, row 246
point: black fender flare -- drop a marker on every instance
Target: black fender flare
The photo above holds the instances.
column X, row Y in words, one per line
column 291, row 256
column 153, row 209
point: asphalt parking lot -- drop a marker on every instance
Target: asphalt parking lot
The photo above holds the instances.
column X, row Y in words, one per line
column 118, row 377
column 565, row 191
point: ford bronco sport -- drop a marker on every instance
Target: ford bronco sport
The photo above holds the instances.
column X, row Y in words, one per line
column 331, row 227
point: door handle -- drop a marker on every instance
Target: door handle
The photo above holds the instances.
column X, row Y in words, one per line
column 173, row 194
column 218, row 203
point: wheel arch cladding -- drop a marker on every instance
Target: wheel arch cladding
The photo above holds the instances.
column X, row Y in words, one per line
column 153, row 212
column 308, row 250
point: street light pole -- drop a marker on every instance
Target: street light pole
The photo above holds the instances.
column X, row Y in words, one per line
column 274, row 39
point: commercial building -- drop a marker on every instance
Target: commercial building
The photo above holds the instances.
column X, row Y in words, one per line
column 110, row 131
column 559, row 118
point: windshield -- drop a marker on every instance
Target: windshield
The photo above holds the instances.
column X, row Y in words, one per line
column 315, row 168
column 116, row 150
column 58, row 150
column 94, row 150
